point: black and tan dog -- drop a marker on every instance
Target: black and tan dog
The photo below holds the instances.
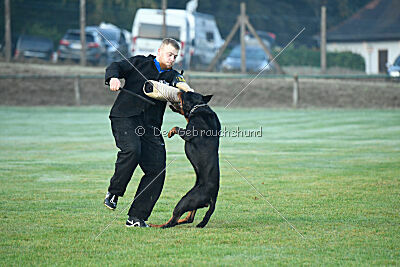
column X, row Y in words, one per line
column 201, row 137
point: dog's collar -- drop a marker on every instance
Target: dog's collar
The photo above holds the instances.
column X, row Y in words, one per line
column 196, row 107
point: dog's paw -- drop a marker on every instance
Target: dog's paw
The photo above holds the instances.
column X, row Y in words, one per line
column 167, row 226
column 201, row 225
column 172, row 132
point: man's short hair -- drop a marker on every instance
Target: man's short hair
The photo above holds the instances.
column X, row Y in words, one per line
column 170, row 41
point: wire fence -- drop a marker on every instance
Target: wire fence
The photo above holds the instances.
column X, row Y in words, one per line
column 292, row 86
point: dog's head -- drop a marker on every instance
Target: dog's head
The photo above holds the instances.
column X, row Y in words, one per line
column 190, row 101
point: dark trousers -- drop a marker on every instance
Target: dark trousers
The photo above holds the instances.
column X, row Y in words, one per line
column 138, row 145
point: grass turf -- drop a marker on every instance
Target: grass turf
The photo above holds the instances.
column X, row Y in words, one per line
column 333, row 174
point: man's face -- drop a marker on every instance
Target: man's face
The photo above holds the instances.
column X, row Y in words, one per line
column 166, row 56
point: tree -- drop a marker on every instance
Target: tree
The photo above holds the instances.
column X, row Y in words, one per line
column 285, row 18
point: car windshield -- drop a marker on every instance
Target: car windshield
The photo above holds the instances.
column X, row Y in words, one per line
column 154, row 31
column 72, row 36
column 110, row 35
column 28, row 42
column 251, row 53
column 397, row 62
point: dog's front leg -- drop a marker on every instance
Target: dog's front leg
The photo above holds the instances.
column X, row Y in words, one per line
column 183, row 133
column 173, row 131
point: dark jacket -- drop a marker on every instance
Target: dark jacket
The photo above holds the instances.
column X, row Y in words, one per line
column 127, row 105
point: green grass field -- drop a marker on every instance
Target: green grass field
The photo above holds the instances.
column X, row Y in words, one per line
column 333, row 174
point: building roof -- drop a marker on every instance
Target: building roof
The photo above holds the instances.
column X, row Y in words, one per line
column 379, row 20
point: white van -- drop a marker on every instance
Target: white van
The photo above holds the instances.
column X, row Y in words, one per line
column 147, row 32
column 205, row 38
column 197, row 33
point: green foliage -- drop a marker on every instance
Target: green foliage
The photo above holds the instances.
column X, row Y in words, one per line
column 285, row 17
column 303, row 56
column 53, row 18
column 50, row 32
column 346, row 59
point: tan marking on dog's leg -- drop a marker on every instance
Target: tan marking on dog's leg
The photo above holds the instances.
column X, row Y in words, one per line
column 186, row 218
column 160, row 225
column 189, row 217
column 193, row 213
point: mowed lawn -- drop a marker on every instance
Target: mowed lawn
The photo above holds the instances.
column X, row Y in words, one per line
column 333, row 174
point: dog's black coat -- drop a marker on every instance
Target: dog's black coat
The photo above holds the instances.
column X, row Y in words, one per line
column 201, row 147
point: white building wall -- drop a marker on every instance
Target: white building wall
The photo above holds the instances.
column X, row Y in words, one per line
column 369, row 51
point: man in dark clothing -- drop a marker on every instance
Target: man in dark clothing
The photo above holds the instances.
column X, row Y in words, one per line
column 135, row 123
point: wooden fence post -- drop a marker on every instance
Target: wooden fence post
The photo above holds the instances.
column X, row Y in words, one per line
column 77, row 91
column 7, row 33
column 296, row 91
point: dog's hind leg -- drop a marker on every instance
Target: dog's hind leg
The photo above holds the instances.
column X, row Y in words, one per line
column 160, row 225
column 208, row 214
column 179, row 210
column 189, row 218
column 193, row 200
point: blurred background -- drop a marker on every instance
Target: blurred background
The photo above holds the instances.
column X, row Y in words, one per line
column 294, row 41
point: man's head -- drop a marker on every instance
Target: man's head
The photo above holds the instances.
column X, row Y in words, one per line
column 167, row 53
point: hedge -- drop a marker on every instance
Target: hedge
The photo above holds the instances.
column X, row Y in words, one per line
column 303, row 56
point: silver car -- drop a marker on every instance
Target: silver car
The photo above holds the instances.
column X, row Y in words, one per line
column 394, row 70
column 114, row 41
column 70, row 47
column 34, row 47
column 256, row 60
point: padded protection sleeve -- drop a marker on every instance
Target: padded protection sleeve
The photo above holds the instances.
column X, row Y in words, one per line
column 179, row 82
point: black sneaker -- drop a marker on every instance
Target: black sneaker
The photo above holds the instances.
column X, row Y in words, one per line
column 135, row 222
column 111, row 201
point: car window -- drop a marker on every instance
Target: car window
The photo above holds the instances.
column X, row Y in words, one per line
column 28, row 42
column 111, row 35
column 210, row 36
column 154, row 31
column 77, row 36
column 251, row 53
column 255, row 53
column 235, row 52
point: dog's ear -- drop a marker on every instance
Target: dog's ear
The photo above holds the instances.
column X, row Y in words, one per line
column 207, row 98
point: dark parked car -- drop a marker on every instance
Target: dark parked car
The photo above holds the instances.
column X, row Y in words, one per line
column 34, row 47
column 256, row 59
column 394, row 70
column 116, row 37
column 70, row 47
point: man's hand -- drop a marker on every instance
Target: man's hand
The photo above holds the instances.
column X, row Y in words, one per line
column 184, row 86
column 115, row 84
